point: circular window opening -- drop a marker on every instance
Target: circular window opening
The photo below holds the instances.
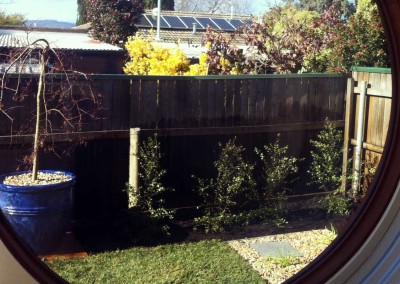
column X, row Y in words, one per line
column 362, row 225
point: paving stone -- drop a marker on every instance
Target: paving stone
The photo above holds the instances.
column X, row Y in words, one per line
column 275, row 249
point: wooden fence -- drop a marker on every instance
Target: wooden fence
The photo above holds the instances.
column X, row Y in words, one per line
column 374, row 115
column 190, row 115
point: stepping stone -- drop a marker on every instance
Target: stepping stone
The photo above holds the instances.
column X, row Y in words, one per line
column 275, row 249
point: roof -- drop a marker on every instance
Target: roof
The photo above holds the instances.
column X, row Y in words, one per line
column 58, row 38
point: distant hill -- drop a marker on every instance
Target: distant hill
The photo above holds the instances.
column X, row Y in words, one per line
column 49, row 24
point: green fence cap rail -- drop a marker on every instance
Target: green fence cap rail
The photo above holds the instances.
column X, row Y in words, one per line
column 372, row 69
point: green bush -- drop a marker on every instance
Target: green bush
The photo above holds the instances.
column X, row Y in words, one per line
column 229, row 192
column 326, row 165
column 326, row 169
column 277, row 167
column 232, row 197
column 149, row 195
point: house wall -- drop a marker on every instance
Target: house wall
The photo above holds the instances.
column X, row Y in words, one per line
column 90, row 62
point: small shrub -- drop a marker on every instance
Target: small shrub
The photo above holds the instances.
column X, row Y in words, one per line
column 276, row 169
column 228, row 193
column 326, row 165
column 149, row 195
column 337, row 203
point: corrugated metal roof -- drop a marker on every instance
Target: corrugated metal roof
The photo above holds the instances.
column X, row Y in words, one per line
column 64, row 40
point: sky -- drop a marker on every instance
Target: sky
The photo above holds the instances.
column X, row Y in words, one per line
column 64, row 10
column 61, row 10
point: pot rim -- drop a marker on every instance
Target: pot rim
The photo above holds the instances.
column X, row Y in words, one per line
column 28, row 188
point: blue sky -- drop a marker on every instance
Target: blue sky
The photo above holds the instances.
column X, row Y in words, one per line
column 65, row 10
column 62, row 10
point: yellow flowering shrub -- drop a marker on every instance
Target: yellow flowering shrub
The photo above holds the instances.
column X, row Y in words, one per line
column 201, row 68
column 149, row 59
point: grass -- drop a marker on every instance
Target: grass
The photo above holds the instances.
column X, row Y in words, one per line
column 202, row 262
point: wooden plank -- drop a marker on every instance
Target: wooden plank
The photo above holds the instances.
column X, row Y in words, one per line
column 229, row 102
column 244, row 96
column 223, row 100
column 347, row 128
column 106, row 91
column 134, row 92
column 149, row 103
column 259, row 107
column 267, row 101
column 181, row 103
column 238, row 130
column 211, row 103
column 236, row 101
column 203, row 103
column 124, row 93
column 369, row 146
column 386, row 120
column 194, row 103
column 251, row 104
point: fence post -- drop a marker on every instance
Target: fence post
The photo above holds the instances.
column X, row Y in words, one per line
column 360, row 134
column 134, row 141
column 347, row 126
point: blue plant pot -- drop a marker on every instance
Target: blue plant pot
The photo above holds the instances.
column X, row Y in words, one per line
column 39, row 214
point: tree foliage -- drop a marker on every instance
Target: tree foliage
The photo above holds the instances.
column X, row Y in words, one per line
column 223, row 56
column 82, row 13
column 346, row 8
column 326, row 165
column 11, row 19
column 361, row 41
column 291, row 40
column 165, row 4
column 282, row 41
column 113, row 21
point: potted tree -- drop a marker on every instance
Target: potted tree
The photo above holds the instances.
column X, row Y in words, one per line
column 38, row 203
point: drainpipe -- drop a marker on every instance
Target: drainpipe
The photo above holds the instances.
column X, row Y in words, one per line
column 360, row 134
column 194, row 28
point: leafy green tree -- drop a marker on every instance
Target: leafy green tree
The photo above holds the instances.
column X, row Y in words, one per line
column 113, row 21
column 165, row 4
column 282, row 41
column 11, row 19
column 362, row 41
column 82, row 13
column 345, row 7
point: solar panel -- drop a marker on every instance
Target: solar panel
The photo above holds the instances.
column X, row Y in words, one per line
column 189, row 22
column 142, row 22
column 223, row 24
column 175, row 22
column 153, row 20
column 248, row 22
column 236, row 23
column 207, row 21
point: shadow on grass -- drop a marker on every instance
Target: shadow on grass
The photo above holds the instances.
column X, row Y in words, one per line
column 132, row 228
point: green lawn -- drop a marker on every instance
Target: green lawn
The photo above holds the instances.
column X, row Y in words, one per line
column 203, row 262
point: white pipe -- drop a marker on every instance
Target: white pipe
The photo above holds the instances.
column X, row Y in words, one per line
column 158, row 19
column 231, row 11
column 360, row 133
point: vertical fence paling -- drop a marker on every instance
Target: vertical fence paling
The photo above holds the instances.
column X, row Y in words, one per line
column 360, row 134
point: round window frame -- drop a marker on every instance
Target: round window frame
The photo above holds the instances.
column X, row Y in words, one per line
column 359, row 228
